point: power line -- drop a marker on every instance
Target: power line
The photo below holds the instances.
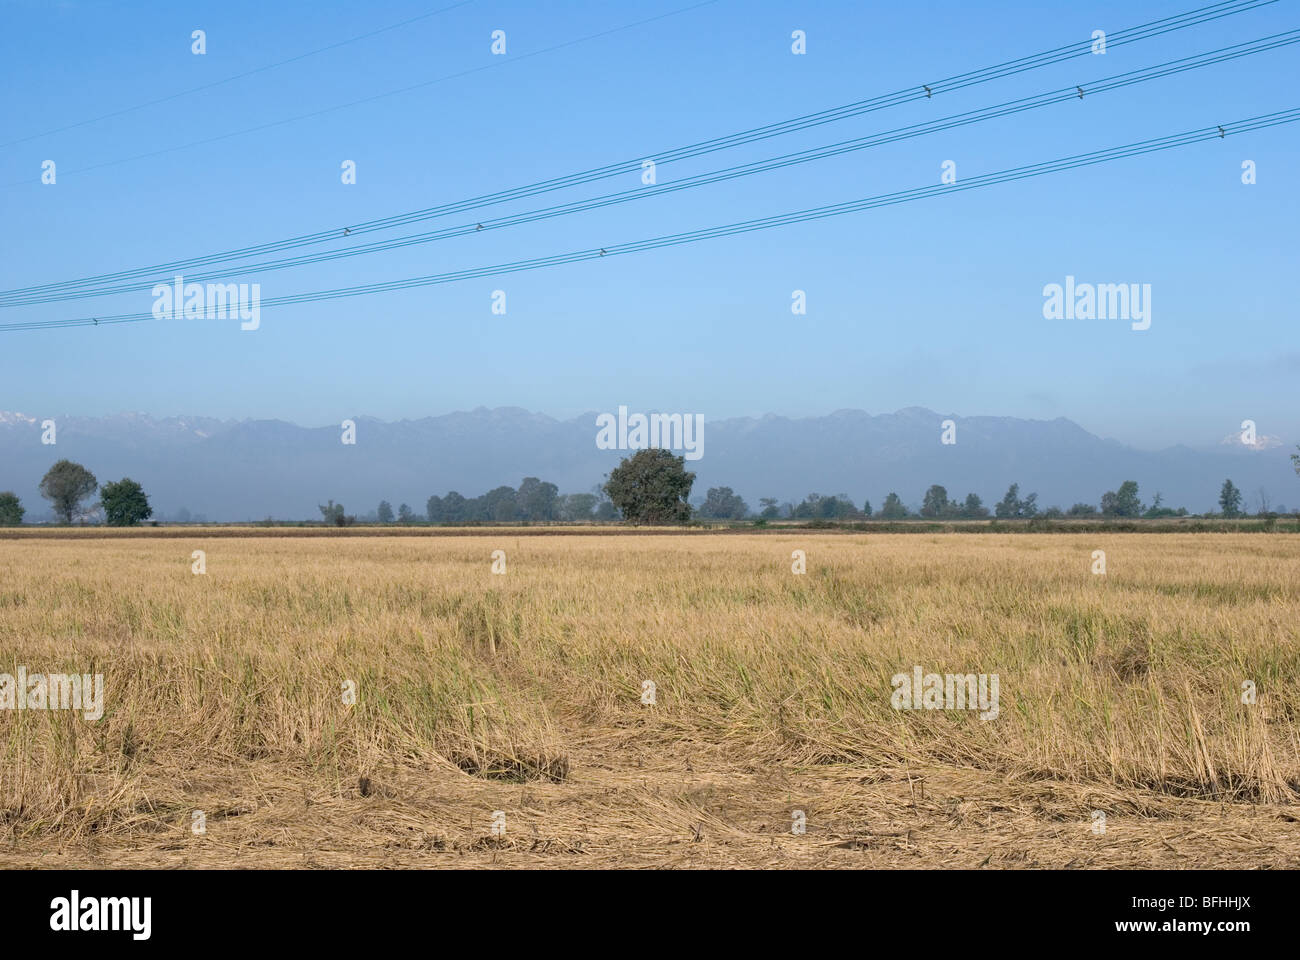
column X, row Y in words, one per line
column 1215, row 132
column 238, row 76
column 754, row 134
column 1061, row 95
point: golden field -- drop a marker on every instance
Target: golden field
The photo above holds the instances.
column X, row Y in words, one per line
column 522, row 693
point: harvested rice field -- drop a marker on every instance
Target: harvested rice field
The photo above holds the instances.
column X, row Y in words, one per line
column 676, row 700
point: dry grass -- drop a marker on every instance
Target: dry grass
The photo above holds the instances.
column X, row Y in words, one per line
column 521, row 693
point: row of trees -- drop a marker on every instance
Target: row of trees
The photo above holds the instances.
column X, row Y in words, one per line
column 936, row 504
column 534, row 500
column 67, row 485
column 651, row 486
column 654, row 486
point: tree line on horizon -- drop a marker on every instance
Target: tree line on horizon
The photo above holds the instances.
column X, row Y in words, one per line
column 535, row 500
column 67, row 484
column 936, row 505
column 651, row 486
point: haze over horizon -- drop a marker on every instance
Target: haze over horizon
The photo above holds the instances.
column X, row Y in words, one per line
column 251, row 469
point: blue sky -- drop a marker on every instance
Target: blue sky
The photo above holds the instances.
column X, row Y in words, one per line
column 936, row 303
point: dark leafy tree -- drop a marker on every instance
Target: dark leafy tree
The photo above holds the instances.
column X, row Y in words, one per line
column 385, row 512
column 125, row 503
column 455, row 508
column 810, row 508
column 1082, row 510
column 841, row 507
column 1009, row 504
column 652, row 486
column 538, row 499
column 1123, row 502
column 333, row 513
column 1157, row 508
column 935, row 503
column 723, row 503
column 1012, row 505
column 1230, row 499
column 11, row 509
column 65, row 486
column 405, row 513
column 892, row 508
column 499, row 504
column 817, row 507
column 973, row 508
column 768, row 508
column 579, row 506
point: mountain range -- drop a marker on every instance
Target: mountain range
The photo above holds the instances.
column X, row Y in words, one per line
column 228, row 470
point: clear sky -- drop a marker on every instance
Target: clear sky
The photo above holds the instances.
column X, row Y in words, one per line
column 937, row 303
